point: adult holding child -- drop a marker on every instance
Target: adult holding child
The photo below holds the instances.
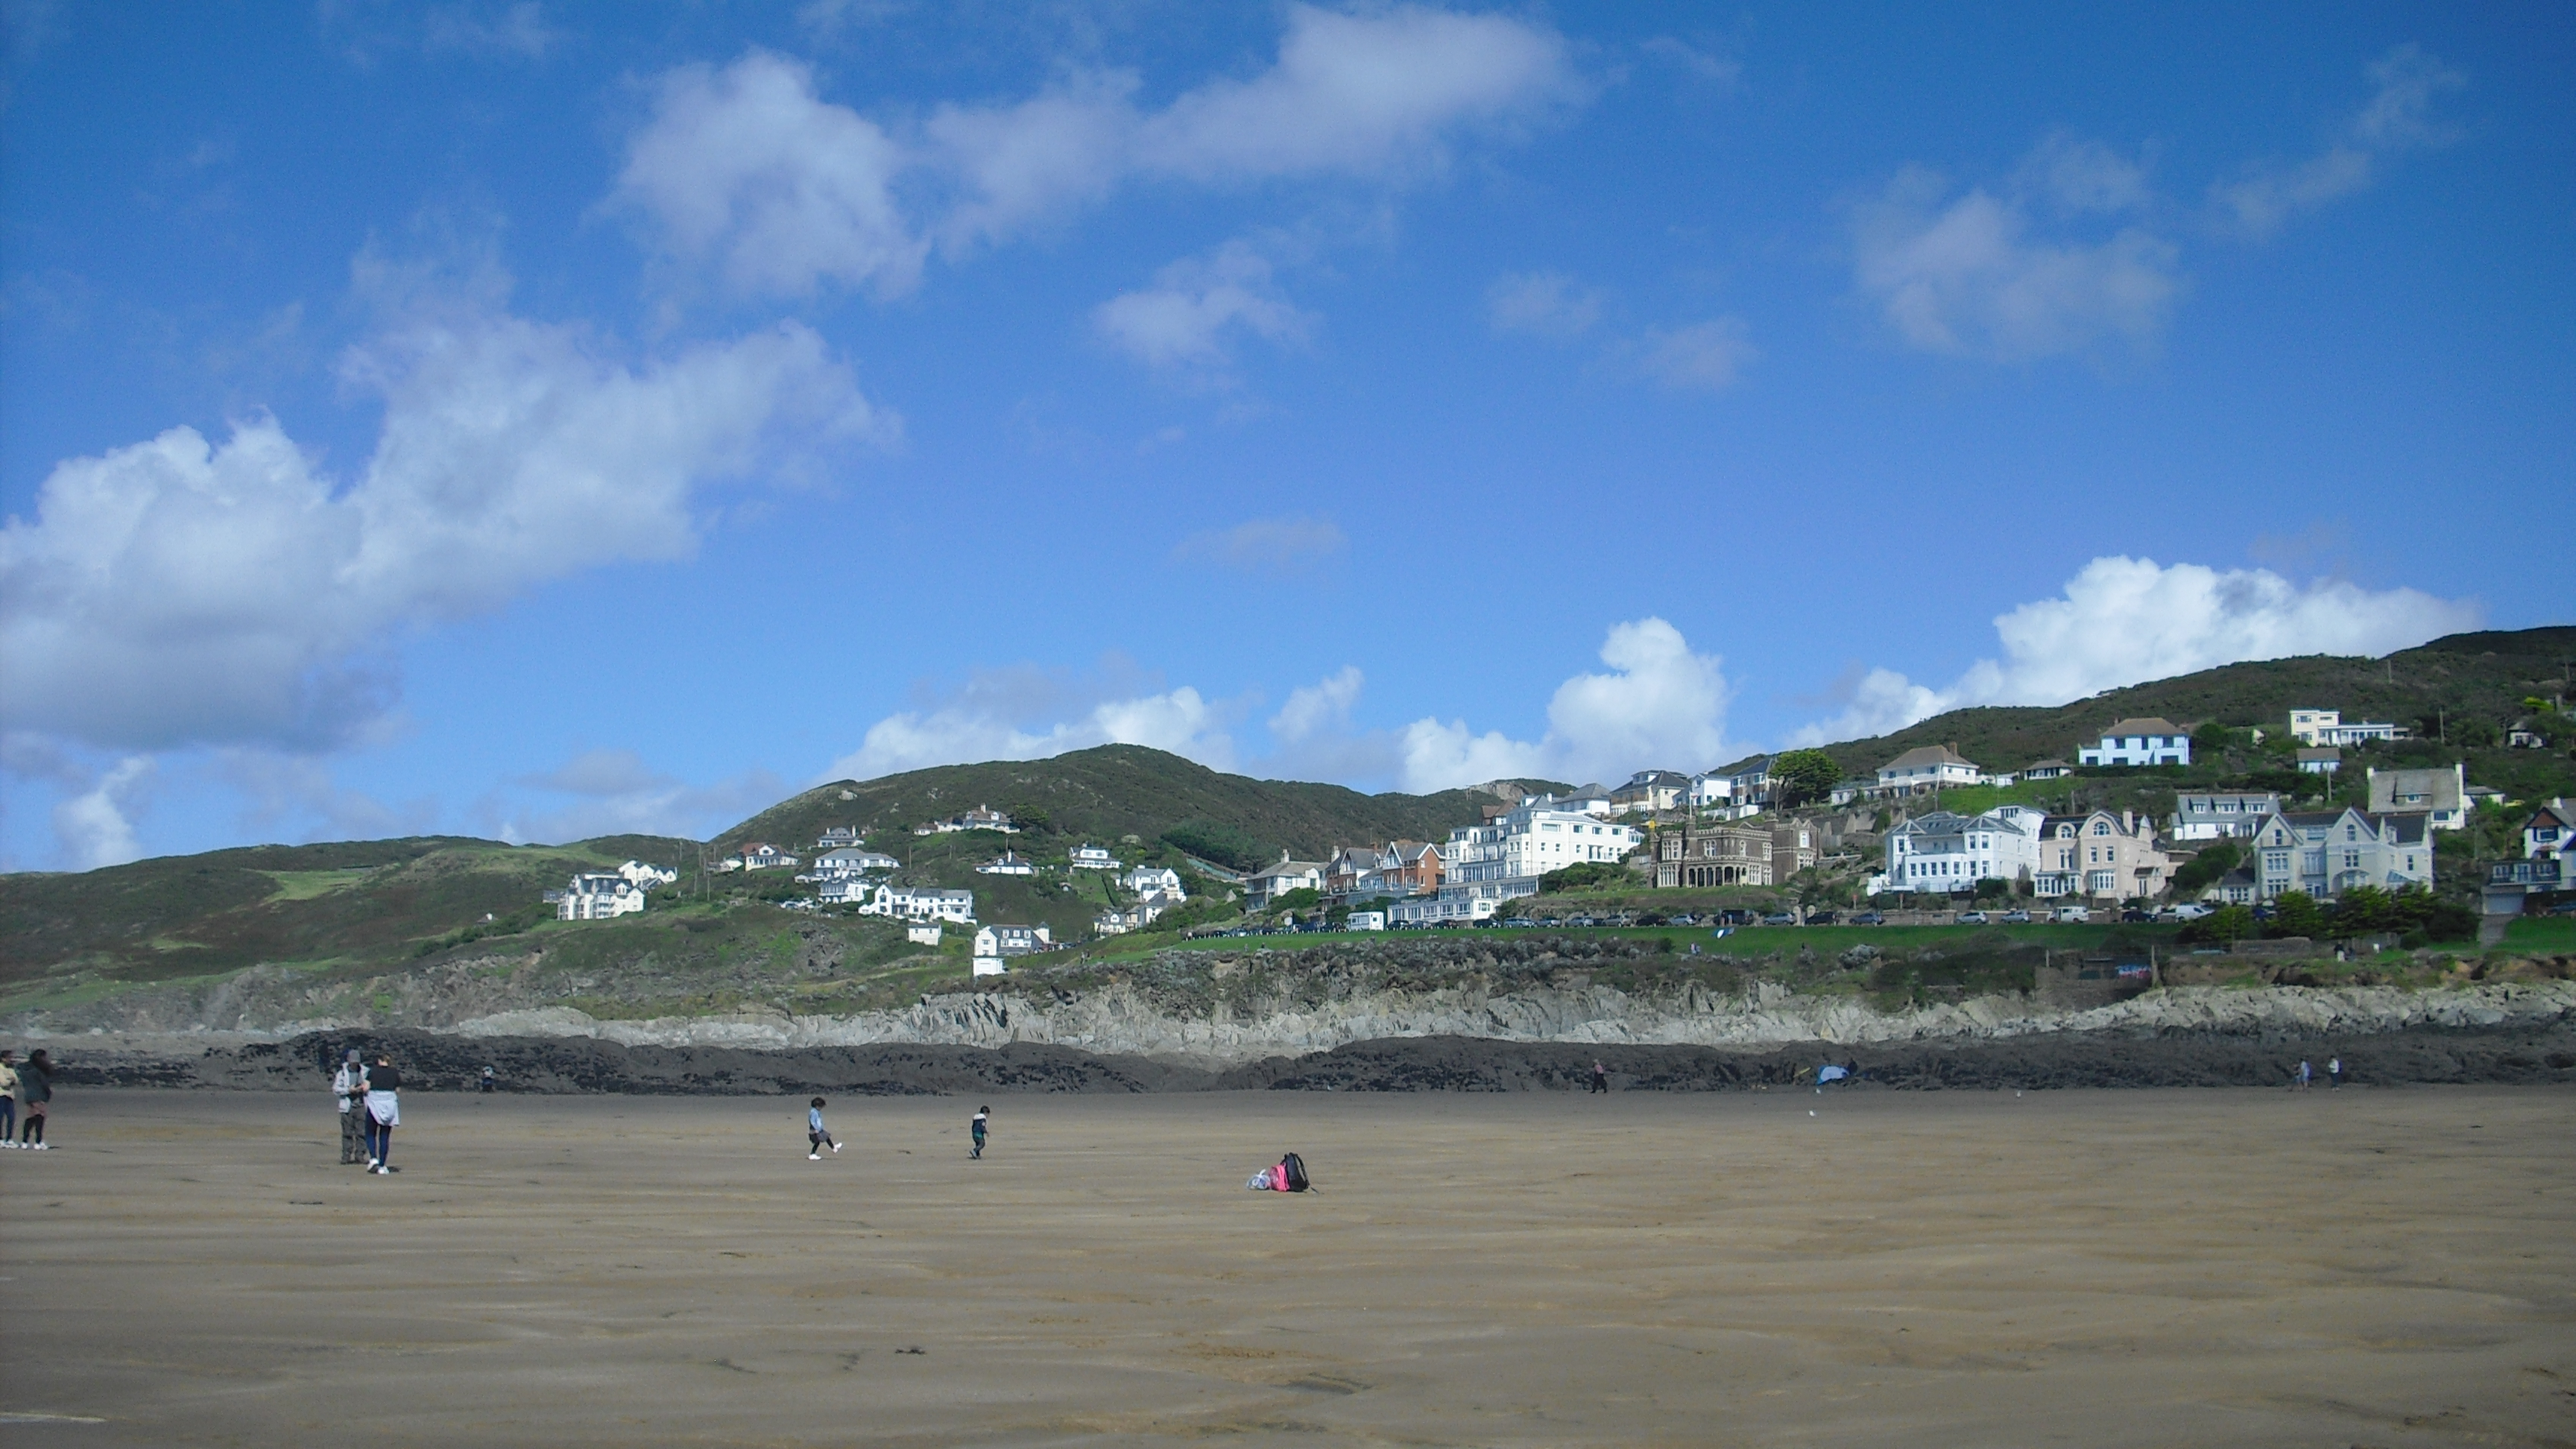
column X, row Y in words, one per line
column 384, row 1113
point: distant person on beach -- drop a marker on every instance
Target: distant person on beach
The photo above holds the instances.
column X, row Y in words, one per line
column 348, row 1088
column 384, row 1114
column 2334, row 1073
column 816, row 1139
column 2305, row 1073
column 1600, row 1077
column 8, row 1098
column 983, row 1118
column 487, row 1079
column 35, row 1094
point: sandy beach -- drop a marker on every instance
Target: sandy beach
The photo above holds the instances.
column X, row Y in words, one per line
column 2383, row 1267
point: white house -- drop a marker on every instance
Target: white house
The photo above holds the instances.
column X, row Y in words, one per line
column 920, row 903
column 1452, row 903
column 2139, row 742
column 1926, row 768
column 922, row 935
column 2111, row 856
column 1273, row 881
column 1527, row 842
column 846, row 890
column 2550, row 833
column 1946, row 851
column 1365, row 921
column 982, row 817
column 837, row 837
column 2220, row 814
column 2048, row 770
column 1711, row 791
column 1150, row 880
column 2319, row 759
column 1651, row 792
column 599, row 896
column 1010, row 863
column 2443, row 795
column 2327, row 727
column 1093, row 857
column 2328, row 852
column 1009, row 941
column 848, row 860
column 761, row 855
column 1750, row 782
column 2306, row 724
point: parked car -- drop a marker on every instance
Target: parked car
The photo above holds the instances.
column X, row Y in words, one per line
column 1972, row 918
column 2563, row 908
column 1822, row 918
column 2184, row 911
column 2016, row 917
column 1868, row 918
column 2071, row 913
column 1734, row 918
column 2134, row 914
column 1779, row 918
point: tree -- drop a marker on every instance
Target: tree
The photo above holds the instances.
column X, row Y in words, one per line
column 2296, row 913
column 2227, row 923
column 2203, row 870
column 1799, row 776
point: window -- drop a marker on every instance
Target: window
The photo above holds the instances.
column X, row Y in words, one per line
column 2101, row 827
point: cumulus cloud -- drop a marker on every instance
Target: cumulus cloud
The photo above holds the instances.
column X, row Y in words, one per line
column 184, row 590
column 749, row 169
column 1660, row 705
column 1962, row 274
column 2398, row 117
column 614, row 792
column 1026, row 714
column 1266, row 545
column 2122, row 620
column 1705, row 357
column 1315, row 708
column 1547, row 304
column 96, row 826
column 1196, row 306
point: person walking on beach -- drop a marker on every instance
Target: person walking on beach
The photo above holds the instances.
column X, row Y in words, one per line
column 2305, row 1072
column 487, row 1081
column 2334, row 1074
column 8, row 1098
column 384, row 1113
column 1600, row 1077
column 816, row 1139
column 348, row 1085
column 35, row 1094
column 983, row 1117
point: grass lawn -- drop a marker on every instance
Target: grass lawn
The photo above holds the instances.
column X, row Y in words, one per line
column 2543, row 934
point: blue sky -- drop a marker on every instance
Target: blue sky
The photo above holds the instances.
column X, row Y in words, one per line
column 535, row 420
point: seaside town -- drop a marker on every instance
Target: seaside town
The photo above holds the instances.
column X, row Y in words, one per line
column 1929, row 837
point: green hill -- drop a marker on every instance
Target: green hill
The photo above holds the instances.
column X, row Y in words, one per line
column 1107, row 794
column 2474, row 683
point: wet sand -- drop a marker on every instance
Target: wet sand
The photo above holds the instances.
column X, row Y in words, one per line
column 2390, row 1267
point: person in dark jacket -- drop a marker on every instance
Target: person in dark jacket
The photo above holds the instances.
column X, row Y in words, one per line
column 35, row 1095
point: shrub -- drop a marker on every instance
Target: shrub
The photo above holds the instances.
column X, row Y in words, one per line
column 1585, row 876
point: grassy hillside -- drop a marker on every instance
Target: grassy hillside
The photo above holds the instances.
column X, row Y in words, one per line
column 2477, row 682
column 1108, row 794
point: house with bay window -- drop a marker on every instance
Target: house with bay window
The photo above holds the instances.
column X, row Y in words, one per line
column 2328, row 852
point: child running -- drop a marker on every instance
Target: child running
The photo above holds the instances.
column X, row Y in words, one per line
column 983, row 1116
column 815, row 1137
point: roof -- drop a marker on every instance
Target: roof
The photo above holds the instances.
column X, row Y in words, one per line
column 1929, row 755
column 2319, row 752
column 2046, row 765
column 2150, row 725
column 2441, row 789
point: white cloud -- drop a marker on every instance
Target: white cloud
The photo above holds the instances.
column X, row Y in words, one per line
column 2075, row 176
column 1962, row 276
column 1022, row 714
column 1372, row 93
column 2121, row 621
column 748, row 168
column 1707, row 356
column 1186, row 317
column 1266, row 545
column 519, row 31
column 96, row 826
column 2398, row 117
column 183, row 591
column 1662, row 706
column 1315, row 708
column 1548, row 304
column 613, row 792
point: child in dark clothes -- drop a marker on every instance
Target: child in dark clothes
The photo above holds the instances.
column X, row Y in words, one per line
column 816, row 1139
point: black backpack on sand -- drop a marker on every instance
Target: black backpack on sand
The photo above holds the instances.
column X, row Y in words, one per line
column 1295, row 1167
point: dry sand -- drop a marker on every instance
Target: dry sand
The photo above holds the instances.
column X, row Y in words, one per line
column 2094, row 1268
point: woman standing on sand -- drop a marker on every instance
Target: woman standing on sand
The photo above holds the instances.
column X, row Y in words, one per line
column 384, row 1113
column 8, row 1098
column 35, row 1094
